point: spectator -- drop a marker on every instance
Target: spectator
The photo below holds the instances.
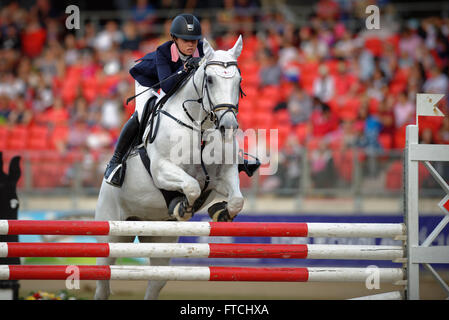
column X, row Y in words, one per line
column 366, row 63
column 99, row 139
column 327, row 10
column 345, row 46
column 369, row 140
column 33, row 38
column 443, row 133
column 71, row 54
column 426, row 136
column 299, row 106
column 47, row 65
column 131, row 39
column 20, row 114
column 386, row 117
column 110, row 112
column 409, row 42
column 438, row 82
column 76, row 139
column 143, row 12
column 5, row 109
column 110, row 37
column 324, row 85
column 323, row 121
column 404, row 110
column 270, row 71
column 89, row 36
column 315, row 48
column 11, row 85
column 57, row 115
column 10, row 38
column 321, row 166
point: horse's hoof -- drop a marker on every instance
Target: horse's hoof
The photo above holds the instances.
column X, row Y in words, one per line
column 179, row 209
column 219, row 212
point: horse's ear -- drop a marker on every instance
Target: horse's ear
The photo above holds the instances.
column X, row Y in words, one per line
column 207, row 49
column 237, row 48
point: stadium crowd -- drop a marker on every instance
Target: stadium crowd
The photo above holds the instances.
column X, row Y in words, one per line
column 324, row 85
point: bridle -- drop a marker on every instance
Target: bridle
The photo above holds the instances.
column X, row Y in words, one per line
column 223, row 106
column 213, row 108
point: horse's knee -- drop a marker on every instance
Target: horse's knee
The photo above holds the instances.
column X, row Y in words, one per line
column 192, row 191
column 235, row 205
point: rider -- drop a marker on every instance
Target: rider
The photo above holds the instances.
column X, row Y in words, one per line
column 161, row 68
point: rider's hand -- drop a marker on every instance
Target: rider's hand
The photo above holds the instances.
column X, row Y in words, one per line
column 192, row 63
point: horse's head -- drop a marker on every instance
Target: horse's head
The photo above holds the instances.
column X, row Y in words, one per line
column 221, row 85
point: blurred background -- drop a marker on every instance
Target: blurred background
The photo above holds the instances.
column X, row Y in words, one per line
column 339, row 95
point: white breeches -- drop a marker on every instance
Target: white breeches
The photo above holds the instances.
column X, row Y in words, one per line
column 143, row 98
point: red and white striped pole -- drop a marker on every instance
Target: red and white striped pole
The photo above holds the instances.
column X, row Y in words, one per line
column 170, row 228
column 171, row 273
column 201, row 250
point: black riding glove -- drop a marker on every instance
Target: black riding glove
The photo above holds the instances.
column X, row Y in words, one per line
column 192, row 63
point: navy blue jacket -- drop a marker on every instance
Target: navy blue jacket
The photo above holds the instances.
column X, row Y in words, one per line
column 160, row 64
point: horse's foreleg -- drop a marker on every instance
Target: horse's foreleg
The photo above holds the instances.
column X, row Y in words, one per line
column 171, row 177
column 155, row 286
column 103, row 289
column 230, row 186
column 231, row 182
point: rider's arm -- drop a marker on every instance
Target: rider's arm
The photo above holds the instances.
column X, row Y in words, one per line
column 164, row 71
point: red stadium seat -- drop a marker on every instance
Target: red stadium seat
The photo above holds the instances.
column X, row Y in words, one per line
column 399, row 137
column 302, row 131
column 250, row 79
column 249, row 68
column 250, row 91
column 374, row 45
column 393, row 178
column 264, row 105
column 386, row 141
column 264, row 119
column 4, row 132
column 286, row 89
column 18, row 138
column 246, row 105
column 282, row 118
column 246, row 120
column 271, row 93
column 38, row 138
column 283, row 133
column 60, row 133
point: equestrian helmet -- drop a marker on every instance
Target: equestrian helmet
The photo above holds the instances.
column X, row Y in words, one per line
column 186, row 26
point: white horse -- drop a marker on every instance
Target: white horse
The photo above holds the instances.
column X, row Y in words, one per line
column 213, row 94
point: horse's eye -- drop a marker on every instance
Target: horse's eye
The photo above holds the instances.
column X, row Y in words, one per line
column 209, row 79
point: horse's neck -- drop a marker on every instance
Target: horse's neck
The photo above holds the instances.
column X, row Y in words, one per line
column 192, row 90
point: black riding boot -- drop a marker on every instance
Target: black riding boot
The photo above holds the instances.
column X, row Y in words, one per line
column 114, row 171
